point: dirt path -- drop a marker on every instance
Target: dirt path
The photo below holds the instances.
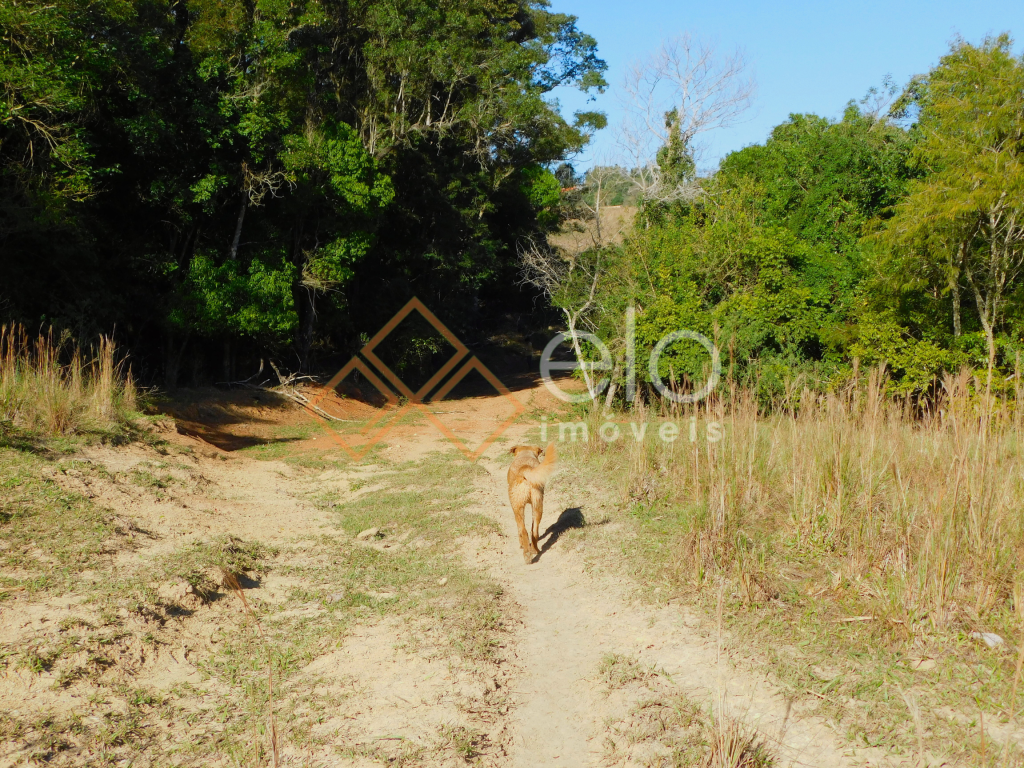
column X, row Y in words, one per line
column 379, row 690
column 573, row 618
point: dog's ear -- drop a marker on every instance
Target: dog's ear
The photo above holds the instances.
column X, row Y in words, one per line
column 514, row 448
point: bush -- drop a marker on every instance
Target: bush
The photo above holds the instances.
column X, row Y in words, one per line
column 47, row 388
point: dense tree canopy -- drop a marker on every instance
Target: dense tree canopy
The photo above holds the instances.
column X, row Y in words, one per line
column 882, row 238
column 952, row 254
column 767, row 257
column 223, row 179
column 220, row 176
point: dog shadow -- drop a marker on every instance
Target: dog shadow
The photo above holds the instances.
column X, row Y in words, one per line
column 570, row 518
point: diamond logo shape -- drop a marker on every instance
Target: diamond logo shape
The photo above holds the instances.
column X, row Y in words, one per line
column 460, row 350
column 393, row 409
column 377, row 427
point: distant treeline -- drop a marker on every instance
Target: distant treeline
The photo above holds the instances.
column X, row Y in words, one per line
column 218, row 180
column 894, row 235
column 221, row 181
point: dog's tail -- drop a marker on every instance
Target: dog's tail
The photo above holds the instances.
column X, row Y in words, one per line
column 540, row 474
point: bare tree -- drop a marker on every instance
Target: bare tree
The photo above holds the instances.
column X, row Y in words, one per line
column 991, row 272
column 684, row 88
column 877, row 101
column 255, row 186
column 673, row 96
column 570, row 283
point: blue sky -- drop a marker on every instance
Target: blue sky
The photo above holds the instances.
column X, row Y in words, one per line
column 805, row 56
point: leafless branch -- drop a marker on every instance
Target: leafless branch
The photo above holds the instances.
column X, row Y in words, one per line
column 258, row 183
column 542, row 267
column 687, row 78
column 570, row 282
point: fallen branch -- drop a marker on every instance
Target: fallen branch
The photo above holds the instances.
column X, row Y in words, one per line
column 287, row 389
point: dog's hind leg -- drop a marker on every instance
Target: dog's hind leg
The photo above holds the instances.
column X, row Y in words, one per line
column 537, row 502
column 524, row 536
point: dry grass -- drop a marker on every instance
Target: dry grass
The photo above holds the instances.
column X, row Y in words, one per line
column 666, row 729
column 48, row 387
column 851, row 528
column 916, row 519
column 732, row 747
column 578, row 235
column 617, row 670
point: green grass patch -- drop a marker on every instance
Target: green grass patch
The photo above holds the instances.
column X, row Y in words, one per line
column 48, row 533
column 417, row 580
column 428, row 497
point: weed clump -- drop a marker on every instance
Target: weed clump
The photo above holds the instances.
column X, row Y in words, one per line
column 205, row 565
column 48, row 388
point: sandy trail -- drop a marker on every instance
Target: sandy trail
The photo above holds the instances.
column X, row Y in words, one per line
column 573, row 616
column 569, row 616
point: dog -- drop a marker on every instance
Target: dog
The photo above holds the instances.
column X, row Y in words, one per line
column 526, row 480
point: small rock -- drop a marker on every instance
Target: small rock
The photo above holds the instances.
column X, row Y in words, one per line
column 336, row 597
column 369, row 533
column 991, row 639
column 442, row 581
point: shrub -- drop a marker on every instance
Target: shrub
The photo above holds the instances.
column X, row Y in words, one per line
column 47, row 387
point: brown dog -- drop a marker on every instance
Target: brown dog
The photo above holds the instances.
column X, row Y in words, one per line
column 526, row 480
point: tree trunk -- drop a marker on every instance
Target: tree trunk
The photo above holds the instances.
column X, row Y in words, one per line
column 571, row 322
column 307, row 316
column 988, row 307
column 172, row 360
column 233, row 254
column 955, row 286
column 610, row 397
column 305, row 298
column 226, row 363
column 990, row 340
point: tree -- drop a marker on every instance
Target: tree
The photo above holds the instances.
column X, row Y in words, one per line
column 964, row 216
column 682, row 90
column 571, row 282
column 241, row 178
column 767, row 258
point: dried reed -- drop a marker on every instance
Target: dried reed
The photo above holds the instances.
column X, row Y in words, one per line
column 46, row 387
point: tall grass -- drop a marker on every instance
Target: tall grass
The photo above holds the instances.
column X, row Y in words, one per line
column 47, row 386
column 913, row 517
